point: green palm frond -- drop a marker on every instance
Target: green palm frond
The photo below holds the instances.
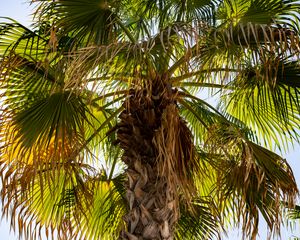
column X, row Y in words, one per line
column 267, row 98
column 79, row 22
column 273, row 12
column 226, row 52
column 42, row 109
column 71, row 202
column 53, row 116
column 228, row 45
column 37, row 115
column 287, row 76
column 294, row 213
column 202, row 222
column 257, row 11
column 199, row 116
column 166, row 12
column 19, row 39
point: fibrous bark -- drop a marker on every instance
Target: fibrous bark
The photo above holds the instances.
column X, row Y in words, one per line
column 151, row 193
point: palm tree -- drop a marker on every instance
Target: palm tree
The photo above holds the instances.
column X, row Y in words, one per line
column 106, row 133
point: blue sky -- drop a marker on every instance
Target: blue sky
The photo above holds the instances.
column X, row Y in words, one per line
column 20, row 10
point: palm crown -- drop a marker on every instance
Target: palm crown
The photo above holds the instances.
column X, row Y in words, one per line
column 105, row 130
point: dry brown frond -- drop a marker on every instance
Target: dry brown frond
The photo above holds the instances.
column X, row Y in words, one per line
column 251, row 179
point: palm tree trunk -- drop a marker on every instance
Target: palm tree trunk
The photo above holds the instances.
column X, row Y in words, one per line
column 152, row 206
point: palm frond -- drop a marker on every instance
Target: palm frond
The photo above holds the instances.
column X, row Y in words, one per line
column 251, row 179
column 199, row 117
column 203, row 222
column 15, row 37
column 70, row 204
column 294, row 213
column 267, row 98
column 78, row 23
column 257, row 11
column 42, row 112
column 147, row 16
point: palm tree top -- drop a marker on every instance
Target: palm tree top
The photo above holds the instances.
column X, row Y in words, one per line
column 85, row 69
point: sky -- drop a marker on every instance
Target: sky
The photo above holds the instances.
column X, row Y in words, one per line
column 20, row 11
